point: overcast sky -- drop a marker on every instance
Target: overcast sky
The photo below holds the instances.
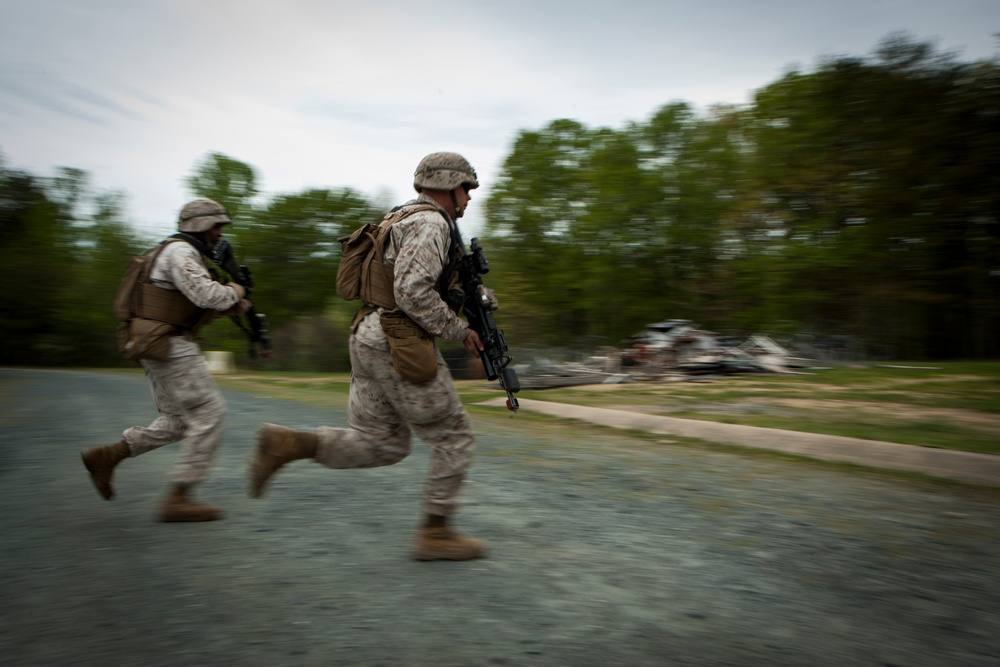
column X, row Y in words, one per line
column 329, row 93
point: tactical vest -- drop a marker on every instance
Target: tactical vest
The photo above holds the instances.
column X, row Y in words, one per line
column 165, row 305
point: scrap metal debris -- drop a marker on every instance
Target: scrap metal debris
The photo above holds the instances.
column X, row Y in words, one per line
column 672, row 350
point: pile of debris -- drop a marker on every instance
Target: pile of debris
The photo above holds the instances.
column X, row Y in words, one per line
column 666, row 351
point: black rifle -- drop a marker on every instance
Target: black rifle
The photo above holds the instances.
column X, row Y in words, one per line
column 256, row 333
column 496, row 361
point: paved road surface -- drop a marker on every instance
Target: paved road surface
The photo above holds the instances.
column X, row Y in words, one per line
column 606, row 550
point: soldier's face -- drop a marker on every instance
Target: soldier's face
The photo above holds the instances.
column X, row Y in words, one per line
column 213, row 235
column 463, row 198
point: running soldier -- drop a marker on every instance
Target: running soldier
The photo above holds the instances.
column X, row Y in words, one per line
column 400, row 384
column 186, row 294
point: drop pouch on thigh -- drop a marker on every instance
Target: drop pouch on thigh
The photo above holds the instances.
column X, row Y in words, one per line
column 413, row 352
column 141, row 339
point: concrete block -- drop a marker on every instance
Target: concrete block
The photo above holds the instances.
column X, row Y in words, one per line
column 220, row 363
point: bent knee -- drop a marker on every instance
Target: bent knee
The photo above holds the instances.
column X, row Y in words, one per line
column 208, row 416
column 454, row 432
column 392, row 446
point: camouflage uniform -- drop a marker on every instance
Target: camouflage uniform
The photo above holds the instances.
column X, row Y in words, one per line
column 385, row 409
column 190, row 404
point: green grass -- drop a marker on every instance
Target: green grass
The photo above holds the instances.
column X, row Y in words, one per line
column 953, row 405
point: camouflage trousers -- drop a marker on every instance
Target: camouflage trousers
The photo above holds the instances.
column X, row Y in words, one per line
column 191, row 409
column 383, row 411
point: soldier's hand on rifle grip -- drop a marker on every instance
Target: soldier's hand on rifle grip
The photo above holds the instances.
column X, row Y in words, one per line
column 241, row 291
column 473, row 343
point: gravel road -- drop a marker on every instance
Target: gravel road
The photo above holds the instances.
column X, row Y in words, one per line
column 606, row 549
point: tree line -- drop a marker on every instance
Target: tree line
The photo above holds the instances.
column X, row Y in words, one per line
column 63, row 254
column 860, row 200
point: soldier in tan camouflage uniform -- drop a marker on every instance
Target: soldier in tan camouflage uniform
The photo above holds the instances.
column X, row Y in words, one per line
column 190, row 405
column 384, row 409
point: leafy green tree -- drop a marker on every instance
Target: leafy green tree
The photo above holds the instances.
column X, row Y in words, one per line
column 702, row 165
column 620, row 228
column 105, row 244
column 536, row 201
column 293, row 244
column 877, row 187
column 225, row 180
column 37, row 260
column 291, row 247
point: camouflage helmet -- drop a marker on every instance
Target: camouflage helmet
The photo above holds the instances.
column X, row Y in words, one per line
column 444, row 171
column 201, row 215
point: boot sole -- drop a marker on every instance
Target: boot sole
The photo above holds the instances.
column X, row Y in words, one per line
column 427, row 558
column 440, row 555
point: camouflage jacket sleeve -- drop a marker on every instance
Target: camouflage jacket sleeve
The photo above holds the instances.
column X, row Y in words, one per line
column 181, row 267
column 418, row 252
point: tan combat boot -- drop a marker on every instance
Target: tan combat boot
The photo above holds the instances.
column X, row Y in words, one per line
column 436, row 541
column 178, row 507
column 276, row 446
column 100, row 463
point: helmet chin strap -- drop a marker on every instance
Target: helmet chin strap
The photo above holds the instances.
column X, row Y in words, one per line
column 454, row 204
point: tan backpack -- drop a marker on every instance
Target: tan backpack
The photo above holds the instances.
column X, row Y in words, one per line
column 363, row 273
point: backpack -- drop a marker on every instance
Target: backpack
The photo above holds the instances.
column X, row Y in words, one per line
column 362, row 273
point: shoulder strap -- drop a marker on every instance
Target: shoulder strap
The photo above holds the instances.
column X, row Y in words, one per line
column 404, row 211
column 455, row 252
column 208, row 257
column 398, row 214
column 193, row 242
column 151, row 255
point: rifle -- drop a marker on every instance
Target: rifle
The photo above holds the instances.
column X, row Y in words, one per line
column 256, row 333
column 496, row 361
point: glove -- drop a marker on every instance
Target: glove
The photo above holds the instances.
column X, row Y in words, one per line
column 241, row 291
column 488, row 298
